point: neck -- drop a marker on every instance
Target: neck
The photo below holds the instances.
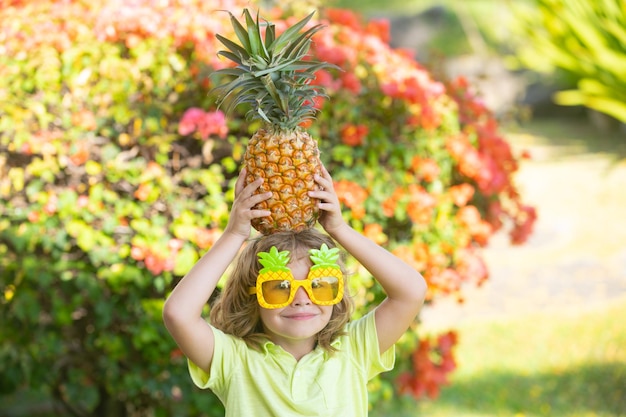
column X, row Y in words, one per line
column 297, row 348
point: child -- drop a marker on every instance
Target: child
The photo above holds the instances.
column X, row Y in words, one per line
column 274, row 351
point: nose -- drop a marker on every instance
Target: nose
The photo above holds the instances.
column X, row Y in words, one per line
column 301, row 298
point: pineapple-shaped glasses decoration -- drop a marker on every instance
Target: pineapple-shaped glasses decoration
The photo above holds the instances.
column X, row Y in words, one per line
column 273, row 76
column 276, row 287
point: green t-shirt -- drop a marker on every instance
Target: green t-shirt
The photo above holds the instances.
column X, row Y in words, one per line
column 271, row 383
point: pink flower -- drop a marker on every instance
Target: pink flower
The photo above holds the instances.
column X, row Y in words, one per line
column 205, row 123
column 189, row 122
column 213, row 123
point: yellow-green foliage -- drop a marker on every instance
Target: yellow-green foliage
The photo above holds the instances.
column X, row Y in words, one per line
column 587, row 40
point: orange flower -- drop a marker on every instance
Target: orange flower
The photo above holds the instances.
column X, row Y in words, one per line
column 154, row 263
column 84, row 119
column 34, row 216
column 469, row 216
column 350, row 193
column 421, row 204
column 461, row 194
column 305, row 124
column 358, row 212
column 143, row 191
column 205, row 238
column 389, row 207
column 416, row 255
column 425, row 168
column 138, row 253
column 374, row 231
column 471, row 267
column 80, row 155
column 391, row 203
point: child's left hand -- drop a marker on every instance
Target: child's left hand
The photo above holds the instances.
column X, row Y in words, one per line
column 329, row 205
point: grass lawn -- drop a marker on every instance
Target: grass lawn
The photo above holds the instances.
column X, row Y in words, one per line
column 541, row 365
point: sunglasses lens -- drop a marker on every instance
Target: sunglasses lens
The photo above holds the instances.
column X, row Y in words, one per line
column 276, row 291
column 325, row 288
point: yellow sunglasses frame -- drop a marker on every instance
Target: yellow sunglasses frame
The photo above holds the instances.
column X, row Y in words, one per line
column 297, row 283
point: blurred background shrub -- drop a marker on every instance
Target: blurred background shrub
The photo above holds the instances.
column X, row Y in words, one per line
column 116, row 175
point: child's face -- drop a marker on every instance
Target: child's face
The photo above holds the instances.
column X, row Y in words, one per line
column 301, row 320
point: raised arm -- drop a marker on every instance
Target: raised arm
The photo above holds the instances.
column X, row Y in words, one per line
column 182, row 312
column 405, row 287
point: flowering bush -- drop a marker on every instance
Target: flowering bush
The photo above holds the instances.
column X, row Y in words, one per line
column 116, row 175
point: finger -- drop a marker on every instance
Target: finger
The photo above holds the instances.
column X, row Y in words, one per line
column 249, row 190
column 326, row 200
column 325, row 183
column 255, row 199
column 254, row 214
column 326, row 174
column 240, row 181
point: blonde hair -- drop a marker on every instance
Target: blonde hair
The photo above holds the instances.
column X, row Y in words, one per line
column 237, row 313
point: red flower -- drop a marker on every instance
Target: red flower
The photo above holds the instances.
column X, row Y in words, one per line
column 351, row 82
column 524, row 223
column 353, row 135
column 325, row 79
column 379, row 28
column 344, row 18
column 431, row 364
column 335, row 54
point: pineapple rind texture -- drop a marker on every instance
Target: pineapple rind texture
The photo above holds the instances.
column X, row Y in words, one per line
column 287, row 162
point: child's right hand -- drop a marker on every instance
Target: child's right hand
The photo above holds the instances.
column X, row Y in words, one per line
column 242, row 211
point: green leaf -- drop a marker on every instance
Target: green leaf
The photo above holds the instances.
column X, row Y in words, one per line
column 185, row 260
column 240, row 31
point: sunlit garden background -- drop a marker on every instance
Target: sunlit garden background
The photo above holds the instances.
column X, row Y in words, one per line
column 482, row 141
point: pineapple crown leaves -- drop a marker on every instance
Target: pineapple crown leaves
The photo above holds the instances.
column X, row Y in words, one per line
column 274, row 261
column 271, row 73
column 324, row 257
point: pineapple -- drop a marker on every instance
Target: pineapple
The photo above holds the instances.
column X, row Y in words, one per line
column 274, row 269
column 273, row 77
column 274, row 265
column 325, row 262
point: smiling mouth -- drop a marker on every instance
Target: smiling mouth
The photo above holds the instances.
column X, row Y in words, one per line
column 301, row 316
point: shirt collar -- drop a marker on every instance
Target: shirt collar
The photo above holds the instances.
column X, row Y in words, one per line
column 270, row 348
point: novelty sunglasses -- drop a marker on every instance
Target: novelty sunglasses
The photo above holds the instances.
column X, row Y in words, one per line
column 276, row 286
